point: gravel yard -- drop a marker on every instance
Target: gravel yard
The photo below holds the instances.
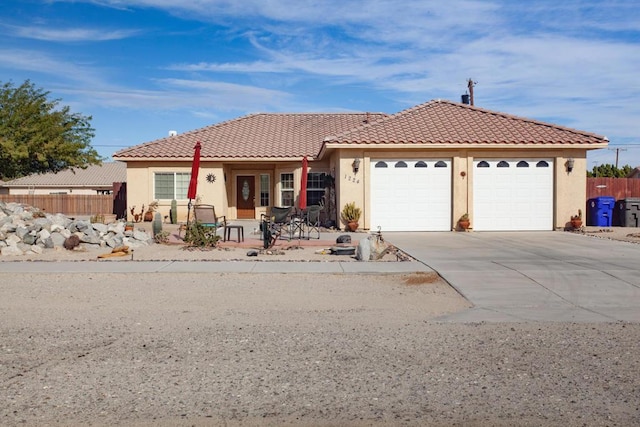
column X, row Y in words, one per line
column 291, row 349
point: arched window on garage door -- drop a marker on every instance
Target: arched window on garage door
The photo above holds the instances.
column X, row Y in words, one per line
column 401, row 164
column 440, row 164
column 483, row 164
column 522, row 164
column 542, row 164
column 420, row 164
column 503, row 164
column 381, row 165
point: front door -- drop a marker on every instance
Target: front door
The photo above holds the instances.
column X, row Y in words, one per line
column 245, row 197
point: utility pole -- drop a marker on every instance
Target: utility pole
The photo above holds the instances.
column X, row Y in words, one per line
column 470, row 85
column 617, row 150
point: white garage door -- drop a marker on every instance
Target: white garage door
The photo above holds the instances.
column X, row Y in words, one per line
column 512, row 194
column 411, row 195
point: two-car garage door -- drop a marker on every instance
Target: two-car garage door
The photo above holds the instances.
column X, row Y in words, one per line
column 508, row 194
column 411, row 195
column 512, row 194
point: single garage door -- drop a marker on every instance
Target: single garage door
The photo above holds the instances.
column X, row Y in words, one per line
column 512, row 194
column 411, row 195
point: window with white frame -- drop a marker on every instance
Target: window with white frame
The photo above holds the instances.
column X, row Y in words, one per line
column 286, row 189
column 170, row 185
column 264, row 190
column 315, row 188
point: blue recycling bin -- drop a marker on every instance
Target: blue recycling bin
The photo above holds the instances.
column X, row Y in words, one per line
column 600, row 211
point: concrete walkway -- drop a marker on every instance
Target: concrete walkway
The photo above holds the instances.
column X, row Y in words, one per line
column 533, row 276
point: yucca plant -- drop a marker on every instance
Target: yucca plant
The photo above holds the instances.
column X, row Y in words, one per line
column 351, row 213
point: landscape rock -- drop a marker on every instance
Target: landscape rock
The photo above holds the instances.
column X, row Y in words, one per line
column 48, row 243
column 44, row 234
column 344, row 238
column 363, row 251
column 12, row 250
column 25, row 229
column 29, row 238
column 58, row 238
column 114, row 240
column 100, row 228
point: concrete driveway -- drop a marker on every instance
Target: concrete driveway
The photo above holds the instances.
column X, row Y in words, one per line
column 533, row 276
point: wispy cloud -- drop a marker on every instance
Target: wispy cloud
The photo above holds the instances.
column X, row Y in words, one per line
column 573, row 62
column 41, row 63
column 69, row 34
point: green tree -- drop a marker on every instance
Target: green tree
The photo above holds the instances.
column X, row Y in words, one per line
column 609, row 171
column 37, row 135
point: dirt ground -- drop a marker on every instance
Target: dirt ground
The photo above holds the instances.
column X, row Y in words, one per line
column 292, row 349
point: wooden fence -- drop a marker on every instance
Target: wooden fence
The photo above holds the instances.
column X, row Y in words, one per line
column 618, row 188
column 67, row 204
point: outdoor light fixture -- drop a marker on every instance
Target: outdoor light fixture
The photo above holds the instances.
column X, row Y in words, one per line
column 356, row 165
column 570, row 163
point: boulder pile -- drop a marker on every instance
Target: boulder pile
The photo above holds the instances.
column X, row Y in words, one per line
column 25, row 229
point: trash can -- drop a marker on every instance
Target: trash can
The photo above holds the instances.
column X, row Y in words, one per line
column 600, row 211
column 628, row 212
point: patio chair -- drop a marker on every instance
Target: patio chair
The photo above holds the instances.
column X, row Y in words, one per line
column 275, row 224
column 312, row 220
column 206, row 216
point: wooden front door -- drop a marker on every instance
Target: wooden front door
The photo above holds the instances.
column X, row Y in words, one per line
column 246, row 197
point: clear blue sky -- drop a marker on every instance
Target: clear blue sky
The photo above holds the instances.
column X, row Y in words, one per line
column 144, row 67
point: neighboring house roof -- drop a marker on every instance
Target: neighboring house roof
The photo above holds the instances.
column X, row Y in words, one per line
column 93, row 176
column 635, row 173
column 256, row 136
column 446, row 122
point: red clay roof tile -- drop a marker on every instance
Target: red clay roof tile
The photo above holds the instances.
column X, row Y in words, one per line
column 291, row 136
column 446, row 122
column 275, row 136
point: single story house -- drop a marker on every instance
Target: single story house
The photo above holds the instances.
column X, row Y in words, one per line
column 95, row 179
column 417, row 170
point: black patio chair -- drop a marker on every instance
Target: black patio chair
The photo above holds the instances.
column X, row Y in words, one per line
column 312, row 221
column 275, row 224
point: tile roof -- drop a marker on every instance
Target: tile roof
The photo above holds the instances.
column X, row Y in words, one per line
column 446, row 122
column 93, row 176
column 256, row 136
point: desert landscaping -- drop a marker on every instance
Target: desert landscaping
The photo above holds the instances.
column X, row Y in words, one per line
column 244, row 349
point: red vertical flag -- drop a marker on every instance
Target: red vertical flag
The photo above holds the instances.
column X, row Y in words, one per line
column 302, row 199
column 195, row 168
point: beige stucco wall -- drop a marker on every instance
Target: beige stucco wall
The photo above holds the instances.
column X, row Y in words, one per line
column 569, row 189
column 140, row 186
column 351, row 186
column 222, row 192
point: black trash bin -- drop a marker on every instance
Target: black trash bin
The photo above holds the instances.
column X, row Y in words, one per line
column 600, row 211
column 628, row 212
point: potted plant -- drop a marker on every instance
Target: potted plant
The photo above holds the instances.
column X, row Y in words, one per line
column 576, row 220
column 350, row 216
column 464, row 222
